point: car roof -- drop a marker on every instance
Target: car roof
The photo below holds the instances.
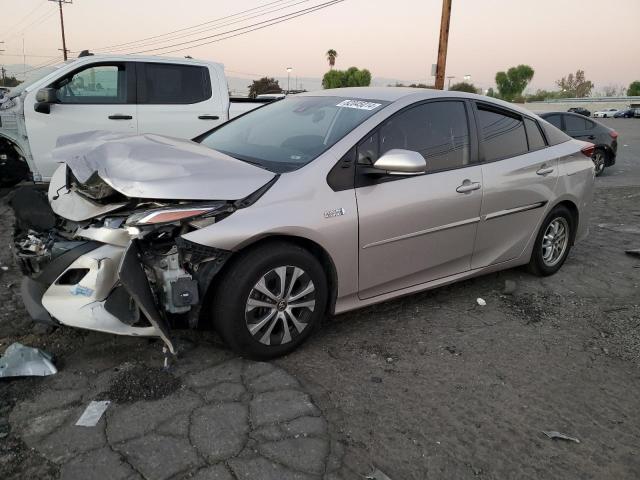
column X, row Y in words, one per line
column 393, row 94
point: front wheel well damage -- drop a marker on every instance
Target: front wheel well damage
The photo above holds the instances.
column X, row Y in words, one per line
column 14, row 167
column 312, row 247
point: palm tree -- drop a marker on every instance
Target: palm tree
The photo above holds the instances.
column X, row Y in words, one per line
column 331, row 56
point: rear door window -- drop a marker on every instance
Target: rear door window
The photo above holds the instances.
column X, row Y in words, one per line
column 503, row 133
column 575, row 123
column 171, row 84
column 555, row 120
column 536, row 140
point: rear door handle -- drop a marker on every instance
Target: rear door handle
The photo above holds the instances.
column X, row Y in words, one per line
column 468, row 186
column 591, row 137
column 209, row 117
column 119, row 116
column 544, row 170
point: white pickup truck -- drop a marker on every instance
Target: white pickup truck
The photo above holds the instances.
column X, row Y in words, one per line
column 169, row 96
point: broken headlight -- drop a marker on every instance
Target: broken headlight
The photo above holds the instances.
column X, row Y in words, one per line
column 168, row 215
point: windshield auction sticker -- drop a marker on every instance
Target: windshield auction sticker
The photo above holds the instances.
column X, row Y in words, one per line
column 360, row 105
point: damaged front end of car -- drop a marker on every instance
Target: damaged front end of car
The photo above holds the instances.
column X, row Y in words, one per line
column 117, row 264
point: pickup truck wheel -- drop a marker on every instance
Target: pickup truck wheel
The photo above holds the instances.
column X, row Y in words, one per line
column 12, row 170
column 270, row 300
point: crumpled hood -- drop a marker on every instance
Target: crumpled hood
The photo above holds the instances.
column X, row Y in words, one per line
column 157, row 167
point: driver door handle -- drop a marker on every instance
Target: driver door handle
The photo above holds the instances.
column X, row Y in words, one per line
column 118, row 116
column 468, row 186
column 209, row 117
column 544, row 170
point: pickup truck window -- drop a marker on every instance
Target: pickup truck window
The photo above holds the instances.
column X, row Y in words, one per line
column 172, row 84
column 290, row 133
column 104, row 84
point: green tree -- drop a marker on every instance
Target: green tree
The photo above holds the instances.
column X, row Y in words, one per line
column 10, row 82
column 264, row 85
column 634, row 89
column 331, row 56
column 512, row 83
column 464, row 87
column 353, row 77
column 491, row 93
column 575, row 85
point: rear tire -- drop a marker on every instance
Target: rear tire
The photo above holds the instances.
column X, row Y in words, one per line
column 270, row 300
column 553, row 242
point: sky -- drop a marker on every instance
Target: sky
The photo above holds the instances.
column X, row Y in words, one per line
column 394, row 39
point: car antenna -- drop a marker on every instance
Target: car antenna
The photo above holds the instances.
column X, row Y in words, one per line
column 85, row 53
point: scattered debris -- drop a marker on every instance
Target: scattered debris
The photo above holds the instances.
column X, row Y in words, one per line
column 91, row 415
column 140, row 382
column 4, row 268
column 452, row 350
column 481, row 301
column 509, row 287
column 376, row 379
column 21, row 361
column 560, row 436
column 389, row 359
column 633, row 253
column 377, row 475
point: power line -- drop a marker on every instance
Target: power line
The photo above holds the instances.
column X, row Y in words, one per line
column 191, row 27
column 263, row 24
column 25, row 17
column 244, row 18
column 36, row 22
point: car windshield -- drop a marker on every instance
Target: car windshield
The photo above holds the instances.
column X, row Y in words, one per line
column 285, row 135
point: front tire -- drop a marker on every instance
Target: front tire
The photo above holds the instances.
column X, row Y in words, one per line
column 553, row 242
column 270, row 300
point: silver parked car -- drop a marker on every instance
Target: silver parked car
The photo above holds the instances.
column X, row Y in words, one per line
column 316, row 204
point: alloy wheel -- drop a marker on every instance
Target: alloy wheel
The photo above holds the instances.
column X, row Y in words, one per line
column 555, row 241
column 280, row 305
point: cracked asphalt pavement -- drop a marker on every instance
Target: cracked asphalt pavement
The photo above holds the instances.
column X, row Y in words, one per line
column 429, row 386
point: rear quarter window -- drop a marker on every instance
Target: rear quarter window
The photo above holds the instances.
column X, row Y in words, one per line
column 554, row 135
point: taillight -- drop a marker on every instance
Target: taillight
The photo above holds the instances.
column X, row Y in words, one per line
column 613, row 134
column 588, row 151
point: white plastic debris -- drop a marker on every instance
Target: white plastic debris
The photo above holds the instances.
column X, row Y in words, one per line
column 91, row 415
column 22, row 361
column 562, row 436
column 377, row 475
column 481, row 301
column 4, row 268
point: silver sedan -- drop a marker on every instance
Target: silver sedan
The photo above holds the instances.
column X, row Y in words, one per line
column 313, row 205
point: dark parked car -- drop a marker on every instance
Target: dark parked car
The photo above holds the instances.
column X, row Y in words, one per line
column 604, row 138
column 580, row 111
column 626, row 113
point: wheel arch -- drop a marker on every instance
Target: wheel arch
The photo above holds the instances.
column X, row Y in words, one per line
column 314, row 248
column 575, row 213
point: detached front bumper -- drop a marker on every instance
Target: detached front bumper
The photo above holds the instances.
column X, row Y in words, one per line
column 99, row 287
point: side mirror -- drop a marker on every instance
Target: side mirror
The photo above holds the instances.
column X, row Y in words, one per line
column 401, row 162
column 47, row 95
column 44, row 98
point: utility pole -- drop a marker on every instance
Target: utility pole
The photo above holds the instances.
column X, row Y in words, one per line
column 442, row 46
column 64, row 42
column 3, row 70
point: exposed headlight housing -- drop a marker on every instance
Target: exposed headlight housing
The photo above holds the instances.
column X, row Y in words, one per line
column 162, row 216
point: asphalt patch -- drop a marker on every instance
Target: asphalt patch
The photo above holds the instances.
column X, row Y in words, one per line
column 141, row 383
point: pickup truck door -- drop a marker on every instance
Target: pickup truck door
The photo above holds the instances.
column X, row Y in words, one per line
column 179, row 100
column 99, row 96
